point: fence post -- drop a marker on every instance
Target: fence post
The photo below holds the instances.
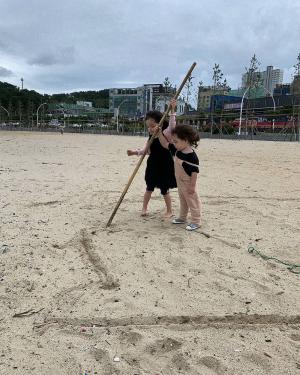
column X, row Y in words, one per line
column 298, row 127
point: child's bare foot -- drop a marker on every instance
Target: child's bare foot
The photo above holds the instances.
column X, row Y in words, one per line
column 168, row 215
column 144, row 212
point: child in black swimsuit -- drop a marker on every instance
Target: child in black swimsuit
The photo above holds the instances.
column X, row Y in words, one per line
column 160, row 165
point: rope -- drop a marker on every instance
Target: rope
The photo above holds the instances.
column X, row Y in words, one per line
column 291, row 266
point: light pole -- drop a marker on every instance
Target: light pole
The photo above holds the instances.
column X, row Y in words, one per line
column 118, row 109
column 63, row 110
column 5, row 111
column 37, row 114
column 274, row 107
column 241, row 110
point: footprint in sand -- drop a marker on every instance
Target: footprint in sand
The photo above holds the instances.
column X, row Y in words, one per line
column 103, row 358
column 216, row 203
column 260, row 360
column 295, row 337
column 180, row 362
column 213, row 364
column 176, row 239
column 130, row 337
column 164, row 346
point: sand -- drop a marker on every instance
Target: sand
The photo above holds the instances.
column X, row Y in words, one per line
column 145, row 296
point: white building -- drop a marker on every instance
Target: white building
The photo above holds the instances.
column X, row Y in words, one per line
column 161, row 104
column 84, row 104
column 269, row 78
column 272, row 77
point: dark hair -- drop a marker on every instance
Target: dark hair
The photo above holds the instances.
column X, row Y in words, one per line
column 187, row 133
column 157, row 116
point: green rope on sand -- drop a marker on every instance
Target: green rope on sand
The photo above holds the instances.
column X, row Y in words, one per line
column 291, row 267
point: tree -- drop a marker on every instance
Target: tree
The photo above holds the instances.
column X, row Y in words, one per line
column 22, row 104
column 197, row 92
column 200, row 85
column 253, row 81
column 297, row 66
column 225, row 85
column 167, row 84
column 296, row 89
column 188, row 92
column 217, row 76
column 161, row 101
column 253, row 76
column 218, row 85
column 20, row 109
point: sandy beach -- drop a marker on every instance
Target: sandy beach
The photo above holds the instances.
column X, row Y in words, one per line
column 144, row 296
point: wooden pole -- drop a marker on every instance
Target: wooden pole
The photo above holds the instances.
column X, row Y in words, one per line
column 147, row 147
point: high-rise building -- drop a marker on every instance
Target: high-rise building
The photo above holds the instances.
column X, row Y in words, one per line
column 268, row 78
column 271, row 78
column 296, row 85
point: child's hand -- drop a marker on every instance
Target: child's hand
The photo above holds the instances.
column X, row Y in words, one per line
column 131, row 152
column 156, row 129
column 173, row 104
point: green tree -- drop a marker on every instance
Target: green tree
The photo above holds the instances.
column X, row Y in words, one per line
column 219, row 84
column 217, row 76
column 188, row 88
column 167, row 84
column 297, row 66
column 253, row 80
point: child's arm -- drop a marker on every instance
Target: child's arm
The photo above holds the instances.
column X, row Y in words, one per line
column 137, row 152
column 172, row 122
column 192, row 186
column 162, row 138
column 132, row 152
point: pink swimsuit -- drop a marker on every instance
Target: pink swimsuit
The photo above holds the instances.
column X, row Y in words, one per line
column 187, row 201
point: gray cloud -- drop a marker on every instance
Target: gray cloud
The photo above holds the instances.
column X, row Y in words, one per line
column 62, row 46
column 63, row 56
column 5, row 72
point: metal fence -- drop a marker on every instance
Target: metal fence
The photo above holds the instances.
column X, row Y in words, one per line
column 283, row 135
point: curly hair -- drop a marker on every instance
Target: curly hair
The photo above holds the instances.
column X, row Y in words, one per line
column 187, row 133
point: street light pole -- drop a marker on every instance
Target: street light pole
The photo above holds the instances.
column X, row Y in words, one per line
column 241, row 110
column 37, row 114
column 5, row 111
column 63, row 110
column 118, row 109
column 274, row 108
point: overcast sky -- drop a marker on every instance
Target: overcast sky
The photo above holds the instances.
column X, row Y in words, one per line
column 69, row 45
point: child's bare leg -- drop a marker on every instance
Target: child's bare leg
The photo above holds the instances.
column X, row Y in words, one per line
column 146, row 200
column 167, row 198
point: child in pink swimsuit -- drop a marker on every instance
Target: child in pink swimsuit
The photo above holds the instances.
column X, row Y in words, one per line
column 186, row 171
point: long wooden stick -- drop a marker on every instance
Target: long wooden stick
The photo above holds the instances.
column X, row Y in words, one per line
column 147, row 147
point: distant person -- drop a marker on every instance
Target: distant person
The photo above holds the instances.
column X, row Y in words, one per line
column 186, row 171
column 160, row 165
column 61, row 130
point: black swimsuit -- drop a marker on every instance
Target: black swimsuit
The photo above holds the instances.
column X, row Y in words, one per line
column 160, row 169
